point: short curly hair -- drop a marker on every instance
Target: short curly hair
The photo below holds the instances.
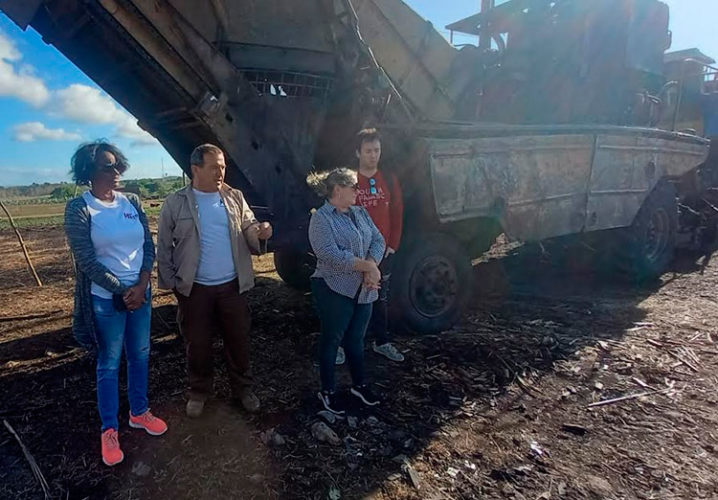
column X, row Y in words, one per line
column 83, row 161
column 324, row 183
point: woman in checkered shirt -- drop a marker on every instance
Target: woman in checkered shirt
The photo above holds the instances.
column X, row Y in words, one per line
column 349, row 248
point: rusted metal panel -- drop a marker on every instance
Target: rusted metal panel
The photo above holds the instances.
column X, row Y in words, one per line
column 417, row 58
column 535, row 185
column 627, row 168
column 544, row 186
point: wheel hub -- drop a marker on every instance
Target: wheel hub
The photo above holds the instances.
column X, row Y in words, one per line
column 434, row 286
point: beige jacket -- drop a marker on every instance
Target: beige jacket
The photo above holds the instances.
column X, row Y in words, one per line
column 178, row 244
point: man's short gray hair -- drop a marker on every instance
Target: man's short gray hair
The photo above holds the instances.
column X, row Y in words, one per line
column 197, row 156
column 325, row 182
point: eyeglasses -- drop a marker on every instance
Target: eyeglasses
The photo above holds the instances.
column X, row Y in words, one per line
column 112, row 166
column 372, row 183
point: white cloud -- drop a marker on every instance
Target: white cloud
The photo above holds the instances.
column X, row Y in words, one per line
column 85, row 104
column 77, row 102
column 19, row 82
column 36, row 131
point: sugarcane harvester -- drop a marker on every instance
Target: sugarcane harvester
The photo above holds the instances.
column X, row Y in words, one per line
column 548, row 127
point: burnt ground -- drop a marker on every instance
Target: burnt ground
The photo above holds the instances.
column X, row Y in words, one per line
column 498, row 407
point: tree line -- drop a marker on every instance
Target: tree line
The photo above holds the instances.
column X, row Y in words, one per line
column 49, row 192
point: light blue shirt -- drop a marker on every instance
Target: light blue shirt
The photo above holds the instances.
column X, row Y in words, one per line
column 216, row 265
column 338, row 238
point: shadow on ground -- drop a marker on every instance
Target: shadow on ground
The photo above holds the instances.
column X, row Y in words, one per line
column 529, row 311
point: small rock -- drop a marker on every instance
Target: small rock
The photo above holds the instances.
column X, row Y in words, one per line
column 323, row 433
column 413, row 475
column 334, row 493
column 561, row 488
column 372, row 421
column 272, row 438
column 598, row 386
column 600, row 486
column 353, row 422
column 278, row 439
column 328, row 416
column 508, row 490
column 400, row 459
column 394, row 477
column 452, row 472
column 141, row 469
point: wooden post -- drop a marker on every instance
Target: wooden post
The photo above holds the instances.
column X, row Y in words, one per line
column 22, row 244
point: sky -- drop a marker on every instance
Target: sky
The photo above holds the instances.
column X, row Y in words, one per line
column 48, row 106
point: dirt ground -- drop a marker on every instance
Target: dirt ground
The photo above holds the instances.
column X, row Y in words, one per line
column 498, row 407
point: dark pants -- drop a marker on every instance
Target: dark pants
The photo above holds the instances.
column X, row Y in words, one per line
column 343, row 322
column 207, row 309
column 379, row 323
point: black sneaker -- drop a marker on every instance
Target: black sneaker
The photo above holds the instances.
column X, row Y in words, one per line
column 329, row 401
column 364, row 393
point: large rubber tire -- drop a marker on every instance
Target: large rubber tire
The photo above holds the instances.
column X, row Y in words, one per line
column 431, row 284
column 295, row 267
column 645, row 249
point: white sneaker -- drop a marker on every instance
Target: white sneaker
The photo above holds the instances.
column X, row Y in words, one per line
column 341, row 357
column 388, row 351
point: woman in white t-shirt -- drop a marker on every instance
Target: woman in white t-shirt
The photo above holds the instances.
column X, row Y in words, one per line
column 114, row 254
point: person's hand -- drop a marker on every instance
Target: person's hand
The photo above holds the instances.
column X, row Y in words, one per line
column 134, row 297
column 264, row 230
column 389, row 251
column 372, row 278
column 370, row 285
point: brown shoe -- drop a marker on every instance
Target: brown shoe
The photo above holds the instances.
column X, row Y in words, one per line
column 194, row 408
column 249, row 400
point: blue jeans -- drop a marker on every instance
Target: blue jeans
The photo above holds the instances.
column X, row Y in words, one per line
column 115, row 330
column 343, row 321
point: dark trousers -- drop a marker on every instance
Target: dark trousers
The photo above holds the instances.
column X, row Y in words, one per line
column 379, row 323
column 343, row 322
column 210, row 308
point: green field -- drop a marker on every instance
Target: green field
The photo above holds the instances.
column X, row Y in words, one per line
column 52, row 214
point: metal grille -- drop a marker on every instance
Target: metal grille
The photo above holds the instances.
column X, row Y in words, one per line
column 282, row 84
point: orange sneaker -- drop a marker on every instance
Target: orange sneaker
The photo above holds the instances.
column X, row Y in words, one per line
column 111, row 452
column 153, row 425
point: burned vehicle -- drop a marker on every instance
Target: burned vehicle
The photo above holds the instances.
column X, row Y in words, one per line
column 549, row 126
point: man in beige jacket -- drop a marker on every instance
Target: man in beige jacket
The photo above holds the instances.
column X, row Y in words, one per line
column 206, row 235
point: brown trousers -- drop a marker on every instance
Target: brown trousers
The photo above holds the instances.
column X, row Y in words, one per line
column 207, row 309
